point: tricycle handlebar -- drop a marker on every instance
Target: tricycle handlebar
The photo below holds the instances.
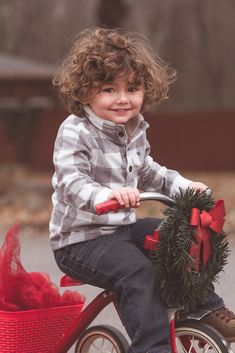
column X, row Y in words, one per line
column 113, row 204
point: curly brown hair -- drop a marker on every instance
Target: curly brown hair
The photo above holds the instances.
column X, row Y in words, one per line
column 98, row 55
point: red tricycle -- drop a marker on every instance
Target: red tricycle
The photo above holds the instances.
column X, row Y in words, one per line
column 57, row 330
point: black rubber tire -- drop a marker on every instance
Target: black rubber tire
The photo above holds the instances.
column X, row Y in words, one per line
column 105, row 335
column 202, row 338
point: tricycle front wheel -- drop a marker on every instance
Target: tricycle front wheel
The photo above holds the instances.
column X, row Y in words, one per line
column 193, row 336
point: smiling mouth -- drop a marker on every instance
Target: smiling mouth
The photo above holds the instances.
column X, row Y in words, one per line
column 121, row 110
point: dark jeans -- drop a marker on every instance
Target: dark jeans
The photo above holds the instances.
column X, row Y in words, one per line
column 118, row 262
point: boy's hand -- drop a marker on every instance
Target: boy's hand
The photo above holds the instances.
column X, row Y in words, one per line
column 198, row 186
column 127, row 197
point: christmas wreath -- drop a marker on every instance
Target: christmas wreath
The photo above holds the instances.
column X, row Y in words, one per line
column 192, row 249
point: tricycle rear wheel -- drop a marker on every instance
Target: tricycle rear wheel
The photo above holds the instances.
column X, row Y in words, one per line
column 102, row 339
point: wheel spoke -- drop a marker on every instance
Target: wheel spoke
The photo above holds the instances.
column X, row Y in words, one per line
column 102, row 345
column 181, row 346
column 206, row 348
column 186, row 343
column 97, row 349
column 192, row 345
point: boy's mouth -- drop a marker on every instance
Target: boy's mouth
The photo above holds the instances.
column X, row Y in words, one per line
column 120, row 110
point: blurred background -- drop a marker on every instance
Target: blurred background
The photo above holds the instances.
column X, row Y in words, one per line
column 193, row 132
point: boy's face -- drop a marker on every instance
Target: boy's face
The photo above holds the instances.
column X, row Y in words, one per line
column 118, row 101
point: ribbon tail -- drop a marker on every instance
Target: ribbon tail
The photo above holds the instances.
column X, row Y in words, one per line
column 206, row 248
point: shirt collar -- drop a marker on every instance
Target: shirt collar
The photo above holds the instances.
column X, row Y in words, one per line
column 111, row 129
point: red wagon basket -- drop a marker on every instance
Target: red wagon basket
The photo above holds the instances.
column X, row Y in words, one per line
column 35, row 331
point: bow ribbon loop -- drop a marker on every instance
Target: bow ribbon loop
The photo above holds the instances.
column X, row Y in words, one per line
column 205, row 221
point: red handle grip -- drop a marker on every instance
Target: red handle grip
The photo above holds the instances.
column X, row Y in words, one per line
column 107, row 206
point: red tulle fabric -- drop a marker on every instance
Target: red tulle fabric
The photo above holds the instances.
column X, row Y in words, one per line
column 21, row 290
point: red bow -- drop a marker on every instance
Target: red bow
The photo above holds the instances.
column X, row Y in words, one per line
column 204, row 221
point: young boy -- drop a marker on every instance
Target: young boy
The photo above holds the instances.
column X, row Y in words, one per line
column 101, row 152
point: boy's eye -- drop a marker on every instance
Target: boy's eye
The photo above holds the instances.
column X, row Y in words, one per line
column 107, row 89
column 132, row 88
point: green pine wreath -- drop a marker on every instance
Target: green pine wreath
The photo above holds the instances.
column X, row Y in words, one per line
column 177, row 285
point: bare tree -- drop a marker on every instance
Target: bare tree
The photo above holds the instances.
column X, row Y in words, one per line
column 42, row 29
column 196, row 36
column 112, row 13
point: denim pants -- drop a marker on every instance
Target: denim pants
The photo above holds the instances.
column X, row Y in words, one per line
column 119, row 263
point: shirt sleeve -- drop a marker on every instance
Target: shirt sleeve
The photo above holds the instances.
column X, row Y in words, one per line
column 72, row 182
column 154, row 177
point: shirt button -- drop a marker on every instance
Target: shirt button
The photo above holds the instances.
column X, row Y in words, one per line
column 130, row 168
column 121, row 134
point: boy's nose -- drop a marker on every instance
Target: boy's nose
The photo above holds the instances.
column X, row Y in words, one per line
column 122, row 97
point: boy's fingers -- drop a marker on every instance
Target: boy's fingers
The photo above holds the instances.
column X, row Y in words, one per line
column 129, row 197
column 125, row 198
column 117, row 196
column 133, row 197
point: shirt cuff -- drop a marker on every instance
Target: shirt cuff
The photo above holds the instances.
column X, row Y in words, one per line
column 179, row 183
column 101, row 196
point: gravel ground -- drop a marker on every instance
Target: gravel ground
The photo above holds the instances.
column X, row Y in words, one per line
column 25, row 197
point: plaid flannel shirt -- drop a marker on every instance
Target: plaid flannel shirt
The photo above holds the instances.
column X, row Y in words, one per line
column 93, row 156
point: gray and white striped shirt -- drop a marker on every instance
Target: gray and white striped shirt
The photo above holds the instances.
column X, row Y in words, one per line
column 93, row 156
